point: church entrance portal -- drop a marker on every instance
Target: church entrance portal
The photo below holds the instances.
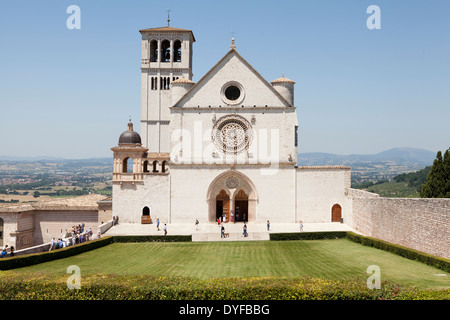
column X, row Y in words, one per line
column 232, row 196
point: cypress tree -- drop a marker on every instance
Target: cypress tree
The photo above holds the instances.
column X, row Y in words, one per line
column 437, row 184
column 446, row 165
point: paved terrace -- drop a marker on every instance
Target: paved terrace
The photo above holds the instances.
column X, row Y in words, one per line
column 211, row 231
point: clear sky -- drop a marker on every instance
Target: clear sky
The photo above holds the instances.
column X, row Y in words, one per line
column 69, row 93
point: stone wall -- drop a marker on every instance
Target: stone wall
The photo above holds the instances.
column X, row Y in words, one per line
column 319, row 188
column 54, row 224
column 420, row 224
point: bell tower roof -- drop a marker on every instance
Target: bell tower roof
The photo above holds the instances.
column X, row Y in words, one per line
column 167, row 29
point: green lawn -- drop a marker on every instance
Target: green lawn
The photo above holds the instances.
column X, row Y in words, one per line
column 338, row 259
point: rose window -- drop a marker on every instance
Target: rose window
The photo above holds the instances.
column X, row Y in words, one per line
column 232, row 134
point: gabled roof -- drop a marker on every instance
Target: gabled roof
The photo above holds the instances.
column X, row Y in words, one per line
column 167, row 29
column 233, row 51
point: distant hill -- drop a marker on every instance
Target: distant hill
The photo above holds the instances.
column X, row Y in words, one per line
column 416, row 156
column 373, row 167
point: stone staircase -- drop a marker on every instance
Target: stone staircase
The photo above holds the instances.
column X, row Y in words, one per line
column 233, row 232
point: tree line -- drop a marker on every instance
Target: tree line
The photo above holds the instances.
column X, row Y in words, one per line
column 437, row 184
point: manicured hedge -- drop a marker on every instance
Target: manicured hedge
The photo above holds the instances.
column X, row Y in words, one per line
column 438, row 262
column 35, row 258
column 150, row 238
column 308, row 235
column 21, row 286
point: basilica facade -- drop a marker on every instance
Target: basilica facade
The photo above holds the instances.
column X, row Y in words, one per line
column 224, row 147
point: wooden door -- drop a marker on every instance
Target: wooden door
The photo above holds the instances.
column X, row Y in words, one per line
column 241, row 206
column 223, row 199
column 336, row 213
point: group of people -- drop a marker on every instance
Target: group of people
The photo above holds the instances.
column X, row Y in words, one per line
column 157, row 226
column 77, row 235
column 244, row 231
column 5, row 251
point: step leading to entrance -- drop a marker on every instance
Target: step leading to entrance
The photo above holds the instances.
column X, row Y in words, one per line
column 232, row 236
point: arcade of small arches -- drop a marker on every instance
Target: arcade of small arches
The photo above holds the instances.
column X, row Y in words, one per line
column 148, row 166
column 133, row 166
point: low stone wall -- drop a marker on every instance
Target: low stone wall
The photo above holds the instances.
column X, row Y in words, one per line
column 104, row 227
column 419, row 224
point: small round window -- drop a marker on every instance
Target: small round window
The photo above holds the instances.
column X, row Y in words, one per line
column 232, row 93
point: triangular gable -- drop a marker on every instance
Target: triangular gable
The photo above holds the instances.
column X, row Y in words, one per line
column 232, row 67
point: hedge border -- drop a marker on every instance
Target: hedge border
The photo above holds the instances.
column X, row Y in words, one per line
column 40, row 257
column 431, row 260
column 308, row 235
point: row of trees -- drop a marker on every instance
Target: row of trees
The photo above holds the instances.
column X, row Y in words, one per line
column 437, row 184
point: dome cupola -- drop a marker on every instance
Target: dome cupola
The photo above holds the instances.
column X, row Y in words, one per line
column 130, row 137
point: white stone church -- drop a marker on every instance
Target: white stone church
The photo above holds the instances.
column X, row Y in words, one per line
column 224, row 147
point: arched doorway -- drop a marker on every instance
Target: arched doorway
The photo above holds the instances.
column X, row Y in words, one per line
column 336, row 213
column 224, row 190
column 223, row 205
column 145, row 218
column 241, row 206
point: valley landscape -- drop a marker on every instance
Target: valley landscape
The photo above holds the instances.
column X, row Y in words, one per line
column 32, row 179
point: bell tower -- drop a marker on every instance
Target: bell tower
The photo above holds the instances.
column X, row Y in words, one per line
column 166, row 57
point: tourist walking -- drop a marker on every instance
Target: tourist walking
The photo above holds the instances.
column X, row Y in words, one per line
column 196, row 224
column 157, row 224
column 222, row 232
column 301, row 226
column 245, row 230
column 4, row 251
column 268, row 225
column 165, row 229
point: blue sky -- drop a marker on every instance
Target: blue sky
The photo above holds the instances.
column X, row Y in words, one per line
column 69, row 93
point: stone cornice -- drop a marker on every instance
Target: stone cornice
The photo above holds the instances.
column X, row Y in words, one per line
column 323, row 168
column 232, row 108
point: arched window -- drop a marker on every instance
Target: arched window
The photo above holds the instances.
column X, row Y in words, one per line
column 155, row 166
column 165, row 51
column 146, row 167
column 146, row 211
column 164, row 167
column 153, row 51
column 127, row 165
column 154, row 83
column 177, row 51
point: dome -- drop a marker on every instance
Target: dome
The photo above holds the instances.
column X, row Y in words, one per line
column 130, row 137
column 183, row 80
column 282, row 80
